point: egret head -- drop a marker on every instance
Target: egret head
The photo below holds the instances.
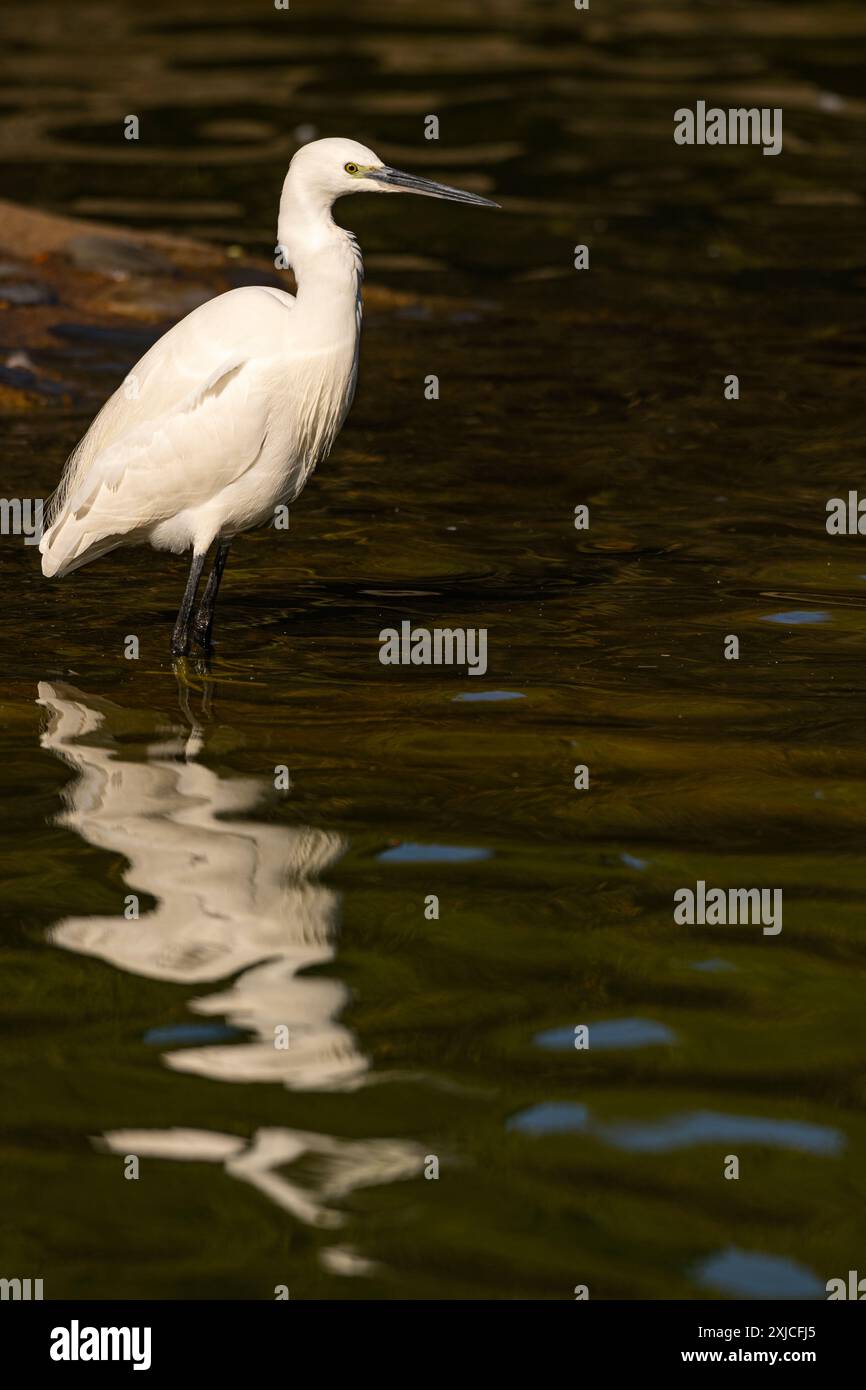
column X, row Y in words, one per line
column 329, row 169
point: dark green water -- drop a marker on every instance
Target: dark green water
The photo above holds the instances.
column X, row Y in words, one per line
column 259, row 908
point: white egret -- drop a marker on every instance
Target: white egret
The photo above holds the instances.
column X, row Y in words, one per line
column 227, row 415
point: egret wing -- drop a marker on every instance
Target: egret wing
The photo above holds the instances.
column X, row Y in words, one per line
column 188, row 420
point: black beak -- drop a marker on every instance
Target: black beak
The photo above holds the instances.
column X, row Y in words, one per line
column 410, row 183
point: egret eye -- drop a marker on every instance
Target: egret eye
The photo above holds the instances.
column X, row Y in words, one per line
column 351, row 168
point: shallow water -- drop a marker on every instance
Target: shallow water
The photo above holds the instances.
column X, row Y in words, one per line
column 305, row 909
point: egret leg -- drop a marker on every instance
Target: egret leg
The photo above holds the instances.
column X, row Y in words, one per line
column 203, row 625
column 180, row 636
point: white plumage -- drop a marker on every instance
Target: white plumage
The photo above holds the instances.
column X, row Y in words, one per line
column 229, row 412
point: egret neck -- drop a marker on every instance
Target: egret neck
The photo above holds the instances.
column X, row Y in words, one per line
column 326, row 260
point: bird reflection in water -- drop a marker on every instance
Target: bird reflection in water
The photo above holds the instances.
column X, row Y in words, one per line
column 235, row 900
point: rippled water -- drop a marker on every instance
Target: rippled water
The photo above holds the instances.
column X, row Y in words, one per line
column 304, row 909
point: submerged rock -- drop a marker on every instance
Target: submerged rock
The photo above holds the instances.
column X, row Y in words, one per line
column 27, row 294
column 110, row 256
